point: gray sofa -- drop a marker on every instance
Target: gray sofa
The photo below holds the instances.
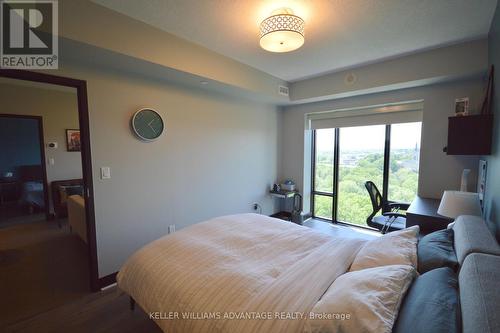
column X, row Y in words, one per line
column 478, row 254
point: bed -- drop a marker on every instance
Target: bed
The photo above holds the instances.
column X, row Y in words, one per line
column 251, row 273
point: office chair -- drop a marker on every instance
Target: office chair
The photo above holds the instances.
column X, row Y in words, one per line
column 391, row 219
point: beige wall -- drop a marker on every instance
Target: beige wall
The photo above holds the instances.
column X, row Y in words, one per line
column 59, row 111
column 413, row 70
column 438, row 171
column 217, row 157
column 121, row 34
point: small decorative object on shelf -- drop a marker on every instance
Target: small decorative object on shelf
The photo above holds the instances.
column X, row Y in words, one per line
column 285, row 190
column 282, row 194
column 462, row 106
column 288, row 185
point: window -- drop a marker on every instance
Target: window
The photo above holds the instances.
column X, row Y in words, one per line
column 345, row 158
column 361, row 158
column 324, row 142
column 404, row 161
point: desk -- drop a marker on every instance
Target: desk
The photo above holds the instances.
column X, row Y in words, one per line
column 423, row 212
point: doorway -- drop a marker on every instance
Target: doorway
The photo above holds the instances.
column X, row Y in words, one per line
column 58, row 188
column 23, row 177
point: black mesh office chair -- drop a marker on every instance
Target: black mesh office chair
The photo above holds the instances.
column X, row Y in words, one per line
column 391, row 219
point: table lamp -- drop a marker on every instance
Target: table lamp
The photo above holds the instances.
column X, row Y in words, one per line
column 456, row 203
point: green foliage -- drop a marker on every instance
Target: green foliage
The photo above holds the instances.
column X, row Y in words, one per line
column 354, row 203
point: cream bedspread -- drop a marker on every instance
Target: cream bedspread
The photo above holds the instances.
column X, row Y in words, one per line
column 242, row 265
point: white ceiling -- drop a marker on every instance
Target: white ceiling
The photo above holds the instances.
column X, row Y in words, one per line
column 339, row 33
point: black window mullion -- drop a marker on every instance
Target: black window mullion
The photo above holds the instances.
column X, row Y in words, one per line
column 325, row 194
column 335, row 174
column 313, row 173
column 387, row 153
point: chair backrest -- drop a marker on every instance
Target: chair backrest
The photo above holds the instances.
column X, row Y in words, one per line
column 375, row 197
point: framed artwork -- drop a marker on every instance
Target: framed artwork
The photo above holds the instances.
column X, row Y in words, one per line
column 73, row 140
column 462, row 106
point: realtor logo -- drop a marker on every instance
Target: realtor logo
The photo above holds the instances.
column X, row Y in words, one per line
column 29, row 34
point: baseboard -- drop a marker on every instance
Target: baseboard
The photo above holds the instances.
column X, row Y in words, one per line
column 308, row 216
column 107, row 280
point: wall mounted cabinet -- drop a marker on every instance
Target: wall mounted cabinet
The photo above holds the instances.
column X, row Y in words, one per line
column 470, row 135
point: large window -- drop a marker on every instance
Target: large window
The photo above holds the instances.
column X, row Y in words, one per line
column 361, row 158
column 404, row 160
column 345, row 158
column 324, row 173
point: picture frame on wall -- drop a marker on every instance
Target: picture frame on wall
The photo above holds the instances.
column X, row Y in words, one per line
column 462, row 106
column 73, row 142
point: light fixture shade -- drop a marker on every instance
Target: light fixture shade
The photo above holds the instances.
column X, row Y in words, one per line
column 282, row 33
column 456, row 203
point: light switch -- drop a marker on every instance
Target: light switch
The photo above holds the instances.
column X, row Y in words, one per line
column 105, row 172
column 51, row 161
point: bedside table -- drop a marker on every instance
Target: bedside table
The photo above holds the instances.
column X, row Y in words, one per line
column 423, row 212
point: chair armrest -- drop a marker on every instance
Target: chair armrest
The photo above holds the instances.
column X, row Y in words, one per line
column 392, row 214
column 398, row 205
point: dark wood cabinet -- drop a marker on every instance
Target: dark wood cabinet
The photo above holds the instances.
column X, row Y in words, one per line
column 470, row 135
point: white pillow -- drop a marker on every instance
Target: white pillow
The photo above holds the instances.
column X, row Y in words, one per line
column 394, row 248
column 368, row 301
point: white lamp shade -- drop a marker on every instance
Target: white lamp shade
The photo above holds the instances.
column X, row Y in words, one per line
column 456, row 203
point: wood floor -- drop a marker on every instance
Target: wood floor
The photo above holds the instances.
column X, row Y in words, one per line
column 108, row 311
column 104, row 312
column 341, row 230
column 41, row 267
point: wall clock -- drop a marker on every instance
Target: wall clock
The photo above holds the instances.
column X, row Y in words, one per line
column 147, row 124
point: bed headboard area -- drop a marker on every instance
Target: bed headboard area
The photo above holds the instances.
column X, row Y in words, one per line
column 478, row 253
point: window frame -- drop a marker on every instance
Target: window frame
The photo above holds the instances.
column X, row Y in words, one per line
column 334, row 194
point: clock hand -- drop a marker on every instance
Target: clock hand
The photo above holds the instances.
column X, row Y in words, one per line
column 152, row 128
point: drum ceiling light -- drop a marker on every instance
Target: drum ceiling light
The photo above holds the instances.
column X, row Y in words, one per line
column 282, row 31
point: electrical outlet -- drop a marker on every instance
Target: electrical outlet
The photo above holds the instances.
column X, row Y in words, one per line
column 256, row 207
column 171, row 228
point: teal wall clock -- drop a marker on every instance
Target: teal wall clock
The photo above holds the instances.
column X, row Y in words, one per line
column 148, row 124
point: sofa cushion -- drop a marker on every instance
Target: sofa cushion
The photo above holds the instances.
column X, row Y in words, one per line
column 480, row 293
column 471, row 235
column 431, row 305
column 436, row 250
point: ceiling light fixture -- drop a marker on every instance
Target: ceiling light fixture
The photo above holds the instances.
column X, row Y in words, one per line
column 282, row 31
